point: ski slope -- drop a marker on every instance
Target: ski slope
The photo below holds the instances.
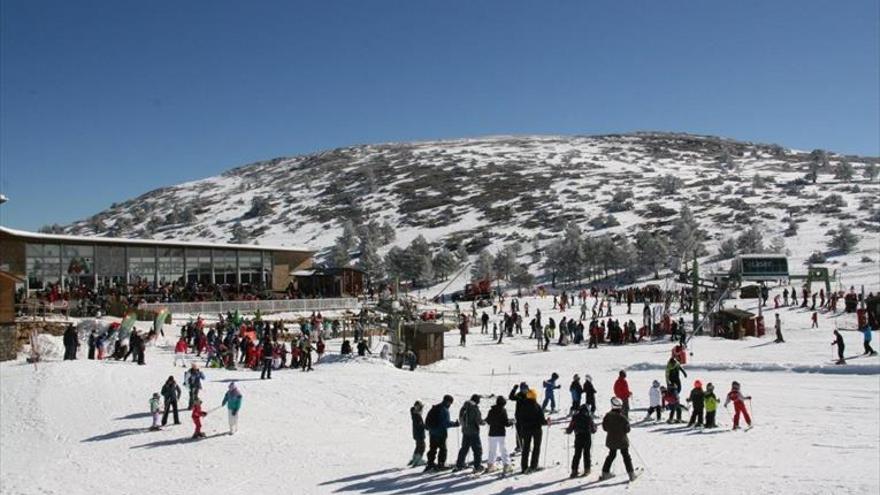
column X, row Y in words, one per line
column 81, row 427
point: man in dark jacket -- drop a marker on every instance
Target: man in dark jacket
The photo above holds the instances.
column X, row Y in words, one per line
column 437, row 423
column 266, row 345
column 590, row 394
column 171, row 394
column 530, row 420
column 470, row 419
column 518, row 396
column 616, row 427
column 418, row 433
column 583, row 427
column 71, row 342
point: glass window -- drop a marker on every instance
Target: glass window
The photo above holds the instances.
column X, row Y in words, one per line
column 250, row 264
column 110, row 261
column 142, row 264
column 198, row 265
column 267, row 269
column 43, row 264
column 170, row 264
column 225, row 267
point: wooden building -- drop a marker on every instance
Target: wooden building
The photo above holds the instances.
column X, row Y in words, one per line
column 735, row 323
column 425, row 338
column 328, row 282
column 8, row 282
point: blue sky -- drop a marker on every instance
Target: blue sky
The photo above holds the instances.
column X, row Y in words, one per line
column 102, row 101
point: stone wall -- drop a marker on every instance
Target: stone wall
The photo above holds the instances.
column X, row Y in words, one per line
column 14, row 336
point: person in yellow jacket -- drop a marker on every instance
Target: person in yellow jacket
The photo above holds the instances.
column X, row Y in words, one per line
column 710, row 401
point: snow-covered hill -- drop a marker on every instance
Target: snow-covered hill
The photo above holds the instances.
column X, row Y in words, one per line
column 495, row 190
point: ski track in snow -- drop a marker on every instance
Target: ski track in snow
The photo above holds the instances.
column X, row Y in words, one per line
column 81, row 427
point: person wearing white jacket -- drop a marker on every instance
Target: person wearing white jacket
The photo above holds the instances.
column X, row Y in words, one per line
column 654, row 400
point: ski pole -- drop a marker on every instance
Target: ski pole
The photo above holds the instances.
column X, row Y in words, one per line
column 546, row 445
column 491, row 380
column 641, row 460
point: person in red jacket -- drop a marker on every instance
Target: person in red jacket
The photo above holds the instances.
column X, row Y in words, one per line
column 621, row 391
column 180, row 350
column 739, row 405
column 197, row 415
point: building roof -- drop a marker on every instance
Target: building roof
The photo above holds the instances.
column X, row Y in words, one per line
column 146, row 242
column 737, row 313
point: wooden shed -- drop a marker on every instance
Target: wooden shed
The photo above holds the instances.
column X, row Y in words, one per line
column 7, row 296
column 735, row 323
column 327, row 282
column 425, row 338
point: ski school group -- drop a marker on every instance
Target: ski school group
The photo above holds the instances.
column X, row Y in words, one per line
column 530, row 419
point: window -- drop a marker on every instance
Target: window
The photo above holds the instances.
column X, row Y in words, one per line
column 250, row 264
column 43, row 264
column 142, row 264
column 110, row 264
column 198, row 266
column 225, row 267
column 170, row 264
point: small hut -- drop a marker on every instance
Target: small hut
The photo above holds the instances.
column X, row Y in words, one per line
column 425, row 338
column 7, row 296
column 735, row 323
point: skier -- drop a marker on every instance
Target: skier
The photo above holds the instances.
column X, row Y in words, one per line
column 622, row 392
column 93, row 340
column 418, row 434
column 739, row 405
column 548, row 334
column 696, row 400
column 531, row 420
column 549, row 396
column 498, row 423
column 778, row 327
column 180, row 351
column 484, row 328
column 673, row 368
column 654, row 401
column 437, row 421
column 232, row 401
column 197, row 415
column 154, row 410
column 170, row 394
column 710, row 401
column 583, row 427
column 363, row 348
column 815, row 319
column 518, row 396
column 616, row 426
column 193, row 380
column 866, row 332
column 576, row 390
column 671, row 402
column 590, row 393
column 470, row 419
column 266, row 346
column 838, row 341
column 463, row 331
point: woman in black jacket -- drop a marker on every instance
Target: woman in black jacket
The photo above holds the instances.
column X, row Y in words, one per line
column 498, row 422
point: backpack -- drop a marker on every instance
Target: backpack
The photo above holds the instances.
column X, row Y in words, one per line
column 432, row 420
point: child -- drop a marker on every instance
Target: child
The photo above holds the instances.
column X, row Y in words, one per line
column 197, row 415
column 576, row 390
column 739, row 405
column 154, row 410
column 670, row 401
column 180, row 350
column 232, row 401
column 418, row 432
column 654, row 400
column 549, row 396
column 710, row 401
column 696, row 399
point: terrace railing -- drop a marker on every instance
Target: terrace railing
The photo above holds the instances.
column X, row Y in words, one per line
column 265, row 306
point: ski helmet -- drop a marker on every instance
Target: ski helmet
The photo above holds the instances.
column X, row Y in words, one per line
column 475, row 398
column 500, row 401
column 735, row 384
column 588, row 378
column 616, row 403
column 655, row 384
column 554, row 376
column 524, row 386
column 448, row 399
column 698, row 384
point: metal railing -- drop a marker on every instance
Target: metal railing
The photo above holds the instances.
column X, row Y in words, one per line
column 265, row 306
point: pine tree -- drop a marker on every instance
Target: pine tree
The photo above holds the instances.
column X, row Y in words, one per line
column 521, row 278
column 445, row 263
column 686, row 235
column 751, row 241
column 370, row 261
column 388, row 233
column 424, row 274
column 461, row 253
column 727, row 249
column 536, row 250
column 843, row 239
column 338, row 256
column 871, row 171
column 777, row 246
column 395, row 263
column 651, row 251
column 349, row 237
column 844, row 171
column 482, row 268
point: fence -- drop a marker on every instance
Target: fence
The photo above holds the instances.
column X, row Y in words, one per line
column 268, row 306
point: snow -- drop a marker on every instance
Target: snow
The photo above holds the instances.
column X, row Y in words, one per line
column 81, row 427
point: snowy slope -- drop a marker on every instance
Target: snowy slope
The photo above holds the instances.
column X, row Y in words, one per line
column 80, row 427
column 495, row 190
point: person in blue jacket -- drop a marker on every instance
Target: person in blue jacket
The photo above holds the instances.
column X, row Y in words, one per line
column 437, row 422
column 866, row 331
column 549, row 396
column 232, row 401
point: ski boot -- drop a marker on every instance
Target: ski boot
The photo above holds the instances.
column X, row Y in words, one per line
column 605, row 476
column 479, row 470
column 418, row 461
column 632, row 476
column 507, row 470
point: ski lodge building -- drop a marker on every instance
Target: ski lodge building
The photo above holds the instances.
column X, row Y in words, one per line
column 43, row 259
